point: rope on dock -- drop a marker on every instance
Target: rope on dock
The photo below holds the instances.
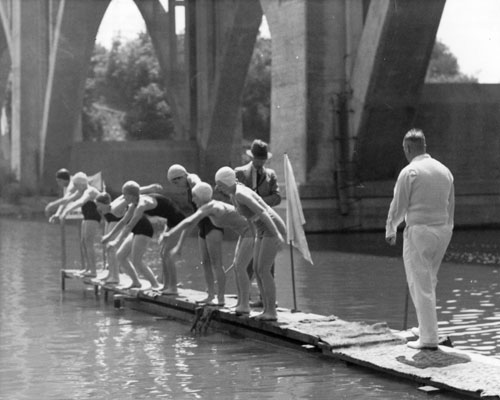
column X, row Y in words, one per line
column 202, row 318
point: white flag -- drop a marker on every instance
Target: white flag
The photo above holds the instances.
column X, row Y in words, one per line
column 294, row 215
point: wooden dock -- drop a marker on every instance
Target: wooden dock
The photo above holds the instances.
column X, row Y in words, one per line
column 376, row 347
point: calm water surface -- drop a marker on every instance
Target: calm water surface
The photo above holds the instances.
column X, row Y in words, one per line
column 76, row 346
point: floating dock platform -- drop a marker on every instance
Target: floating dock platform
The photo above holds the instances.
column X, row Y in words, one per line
column 376, row 347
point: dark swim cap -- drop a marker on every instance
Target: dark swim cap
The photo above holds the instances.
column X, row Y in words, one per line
column 63, row 173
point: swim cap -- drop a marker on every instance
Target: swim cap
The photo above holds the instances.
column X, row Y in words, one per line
column 176, row 171
column 80, row 179
column 131, row 188
column 203, row 191
column 63, row 173
column 226, row 175
column 103, row 198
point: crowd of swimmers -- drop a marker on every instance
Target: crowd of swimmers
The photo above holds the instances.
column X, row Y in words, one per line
column 241, row 201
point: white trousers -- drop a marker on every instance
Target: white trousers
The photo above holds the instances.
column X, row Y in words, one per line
column 423, row 250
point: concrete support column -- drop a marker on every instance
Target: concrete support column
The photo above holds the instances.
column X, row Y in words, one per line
column 387, row 79
column 308, row 84
column 287, row 24
column 30, row 53
column 161, row 28
column 225, row 48
column 76, row 28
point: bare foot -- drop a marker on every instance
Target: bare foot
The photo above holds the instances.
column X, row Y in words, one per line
column 266, row 317
column 170, row 292
column 135, row 285
column 242, row 311
column 207, row 300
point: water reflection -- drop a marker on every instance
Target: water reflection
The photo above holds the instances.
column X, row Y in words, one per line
column 76, row 346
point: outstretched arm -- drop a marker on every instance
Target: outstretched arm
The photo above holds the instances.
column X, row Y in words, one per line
column 61, row 203
column 89, row 194
column 120, row 225
column 186, row 224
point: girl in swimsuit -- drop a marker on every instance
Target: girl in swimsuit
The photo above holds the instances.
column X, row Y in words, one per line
column 209, row 236
column 269, row 228
column 224, row 215
column 83, row 196
column 153, row 205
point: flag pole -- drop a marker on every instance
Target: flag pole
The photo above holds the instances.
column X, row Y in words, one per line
column 293, row 279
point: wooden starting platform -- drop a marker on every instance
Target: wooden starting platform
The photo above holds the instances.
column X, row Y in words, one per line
column 376, row 347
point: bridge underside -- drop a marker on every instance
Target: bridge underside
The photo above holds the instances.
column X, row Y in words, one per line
column 347, row 80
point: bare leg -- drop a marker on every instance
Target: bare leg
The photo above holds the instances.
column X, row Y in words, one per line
column 268, row 249
column 114, row 273
column 214, row 246
column 243, row 255
column 122, row 257
column 139, row 245
column 255, row 260
column 89, row 233
column 169, row 268
column 207, row 270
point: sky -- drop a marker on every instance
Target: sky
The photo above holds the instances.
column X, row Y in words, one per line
column 470, row 28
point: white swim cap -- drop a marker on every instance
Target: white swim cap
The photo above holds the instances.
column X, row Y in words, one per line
column 203, row 191
column 176, row 171
column 80, row 179
column 131, row 188
column 226, row 175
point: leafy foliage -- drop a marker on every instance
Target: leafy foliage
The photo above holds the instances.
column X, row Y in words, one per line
column 128, row 78
column 444, row 68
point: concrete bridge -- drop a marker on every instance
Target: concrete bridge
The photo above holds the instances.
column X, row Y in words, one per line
column 347, row 83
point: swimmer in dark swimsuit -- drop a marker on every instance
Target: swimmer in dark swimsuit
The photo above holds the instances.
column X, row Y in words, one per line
column 152, row 205
column 131, row 251
column 224, row 215
column 209, row 236
column 83, row 196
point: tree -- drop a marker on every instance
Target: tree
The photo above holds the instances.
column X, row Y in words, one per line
column 444, row 68
column 127, row 78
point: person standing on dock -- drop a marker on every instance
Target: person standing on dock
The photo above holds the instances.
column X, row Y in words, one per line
column 424, row 197
column 263, row 181
column 224, row 215
column 151, row 205
column 129, row 252
column 82, row 196
column 209, row 236
column 269, row 228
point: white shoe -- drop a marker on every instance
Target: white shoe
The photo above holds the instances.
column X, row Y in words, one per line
column 417, row 344
column 415, row 331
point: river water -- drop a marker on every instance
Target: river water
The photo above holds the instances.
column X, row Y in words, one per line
column 76, row 346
